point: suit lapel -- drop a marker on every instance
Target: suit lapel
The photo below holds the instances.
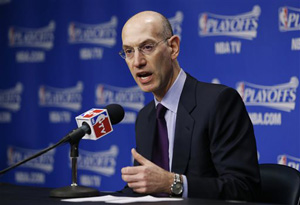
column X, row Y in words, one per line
column 184, row 126
column 146, row 142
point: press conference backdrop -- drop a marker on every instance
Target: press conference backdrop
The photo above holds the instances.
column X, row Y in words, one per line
column 59, row 58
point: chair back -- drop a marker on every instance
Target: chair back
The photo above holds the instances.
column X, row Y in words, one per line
column 279, row 184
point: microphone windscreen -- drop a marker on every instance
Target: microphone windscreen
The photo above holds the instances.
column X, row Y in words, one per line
column 115, row 112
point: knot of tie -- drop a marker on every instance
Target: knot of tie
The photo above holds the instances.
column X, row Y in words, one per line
column 160, row 111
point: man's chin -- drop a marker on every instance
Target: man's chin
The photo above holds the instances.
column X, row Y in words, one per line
column 146, row 89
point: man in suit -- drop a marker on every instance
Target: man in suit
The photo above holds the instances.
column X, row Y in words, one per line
column 211, row 144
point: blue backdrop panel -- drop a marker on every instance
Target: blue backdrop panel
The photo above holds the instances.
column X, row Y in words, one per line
column 58, row 59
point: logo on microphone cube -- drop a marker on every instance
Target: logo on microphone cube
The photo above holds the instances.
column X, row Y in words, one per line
column 99, row 122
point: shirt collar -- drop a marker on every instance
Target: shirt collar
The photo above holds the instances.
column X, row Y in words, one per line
column 171, row 99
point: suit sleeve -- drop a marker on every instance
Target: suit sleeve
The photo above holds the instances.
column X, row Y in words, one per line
column 233, row 151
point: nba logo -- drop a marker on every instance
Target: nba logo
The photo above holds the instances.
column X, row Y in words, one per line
column 282, row 160
column 289, row 161
column 91, row 113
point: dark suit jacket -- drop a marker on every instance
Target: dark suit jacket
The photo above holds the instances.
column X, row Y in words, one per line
column 214, row 143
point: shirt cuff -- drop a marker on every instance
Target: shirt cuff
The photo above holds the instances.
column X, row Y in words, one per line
column 185, row 187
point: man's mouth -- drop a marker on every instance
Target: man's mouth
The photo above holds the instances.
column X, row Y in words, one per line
column 144, row 77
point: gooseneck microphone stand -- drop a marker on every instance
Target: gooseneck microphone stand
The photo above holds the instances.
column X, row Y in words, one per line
column 116, row 114
column 74, row 190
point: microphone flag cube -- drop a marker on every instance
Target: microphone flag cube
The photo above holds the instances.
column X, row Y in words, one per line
column 99, row 122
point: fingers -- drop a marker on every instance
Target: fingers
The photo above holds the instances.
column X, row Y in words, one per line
column 129, row 170
column 146, row 178
column 128, row 178
column 139, row 187
column 134, row 173
column 139, row 158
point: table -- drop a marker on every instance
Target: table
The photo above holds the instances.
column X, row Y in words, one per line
column 28, row 195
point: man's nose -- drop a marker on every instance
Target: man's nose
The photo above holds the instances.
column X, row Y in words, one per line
column 138, row 59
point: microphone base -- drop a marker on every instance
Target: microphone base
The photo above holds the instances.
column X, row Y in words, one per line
column 74, row 192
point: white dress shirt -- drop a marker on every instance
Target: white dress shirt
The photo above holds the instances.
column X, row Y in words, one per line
column 171, row 101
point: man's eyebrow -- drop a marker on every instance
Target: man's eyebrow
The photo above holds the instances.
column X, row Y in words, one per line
column 140, row 44
column 147, row 41
column 125, row 46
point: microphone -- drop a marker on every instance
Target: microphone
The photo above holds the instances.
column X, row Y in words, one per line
column 115, row 115
column 96, row 123
column 92, row 124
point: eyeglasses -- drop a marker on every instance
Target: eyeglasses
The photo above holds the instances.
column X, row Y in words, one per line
column 146, row 49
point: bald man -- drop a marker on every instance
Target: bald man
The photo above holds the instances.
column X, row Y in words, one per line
column 211, row 144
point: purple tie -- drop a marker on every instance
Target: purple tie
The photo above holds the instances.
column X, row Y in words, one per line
column 160, row 155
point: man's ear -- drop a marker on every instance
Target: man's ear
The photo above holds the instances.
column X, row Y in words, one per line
column 174, row 43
